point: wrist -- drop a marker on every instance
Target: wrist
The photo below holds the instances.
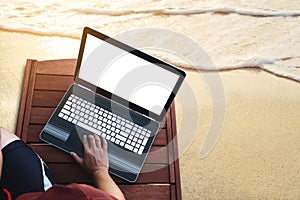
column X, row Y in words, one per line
column 100, row 177
column 100, row 174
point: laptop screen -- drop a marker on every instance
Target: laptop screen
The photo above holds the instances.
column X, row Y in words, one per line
column 124, row 73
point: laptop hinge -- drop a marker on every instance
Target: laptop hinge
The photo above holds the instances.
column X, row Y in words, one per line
column 146, row 116
column 84, row 87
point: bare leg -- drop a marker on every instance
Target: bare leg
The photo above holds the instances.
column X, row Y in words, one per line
column 1, row 161
column 6, row 137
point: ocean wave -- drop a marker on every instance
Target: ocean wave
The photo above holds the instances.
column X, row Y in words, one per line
column 222, row 11
column 235, row 36
column 38, row 32
column 276, row 66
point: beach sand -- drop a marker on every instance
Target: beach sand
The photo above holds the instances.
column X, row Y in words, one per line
column 257, row 155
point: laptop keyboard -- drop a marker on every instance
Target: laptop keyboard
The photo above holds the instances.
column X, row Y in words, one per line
column 106, row 124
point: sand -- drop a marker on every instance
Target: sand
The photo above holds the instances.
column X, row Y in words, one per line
column 258, row 153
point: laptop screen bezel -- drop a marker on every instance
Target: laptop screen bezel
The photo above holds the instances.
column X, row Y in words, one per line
column 135, row 52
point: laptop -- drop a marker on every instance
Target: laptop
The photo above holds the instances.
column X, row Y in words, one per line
column 119, row 93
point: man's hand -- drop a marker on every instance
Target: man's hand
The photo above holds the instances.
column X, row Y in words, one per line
column 95, row 160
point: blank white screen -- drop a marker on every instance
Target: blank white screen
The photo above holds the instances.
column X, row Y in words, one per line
column 126, row 75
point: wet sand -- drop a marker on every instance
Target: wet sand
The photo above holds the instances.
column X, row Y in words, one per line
column 257, row 155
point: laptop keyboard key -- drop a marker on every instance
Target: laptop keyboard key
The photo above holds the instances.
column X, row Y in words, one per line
column 105, row 124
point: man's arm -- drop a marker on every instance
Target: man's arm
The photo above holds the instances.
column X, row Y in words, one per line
column 96, row 163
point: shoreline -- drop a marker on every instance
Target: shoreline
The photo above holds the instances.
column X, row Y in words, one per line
column 36, row 33
column 249, row 68
column 257, row 154
column 77, row 38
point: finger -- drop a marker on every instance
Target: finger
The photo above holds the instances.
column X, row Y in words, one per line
column 85, row 142
column 97, row 141
column 92, row 142
column 104, row 144
column 86, row 149
column 77, row 158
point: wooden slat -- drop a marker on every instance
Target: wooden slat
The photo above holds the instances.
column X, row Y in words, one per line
column 150, row 173
column 64, row 173
column 68, row 173
column 174, row 168
column 28, row 102
column 173, row 191
column 40, row 115
column 172, row 140
column 34, row 131
column 51, row 154
column 53, row 82
column 163, row 122
column 22, row 107
column 158, row 154
column 146, row 191
column 46, row 98
column 57, row 67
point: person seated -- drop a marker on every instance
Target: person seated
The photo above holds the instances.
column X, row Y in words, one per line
column 24, row 176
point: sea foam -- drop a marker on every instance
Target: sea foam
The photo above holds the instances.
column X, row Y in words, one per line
column 234, row 35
